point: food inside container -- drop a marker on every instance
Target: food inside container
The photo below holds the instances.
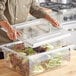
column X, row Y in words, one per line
column 19, row 63
column 28, row 51
column 50, row 61
column 35, row 62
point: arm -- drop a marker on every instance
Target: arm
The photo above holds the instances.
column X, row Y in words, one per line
column 11, row 32
column 36, row 10
column 39, row 12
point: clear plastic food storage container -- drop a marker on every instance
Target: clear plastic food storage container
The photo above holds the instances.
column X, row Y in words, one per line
column 42, row 48
column 39, row 32
column 27, row 61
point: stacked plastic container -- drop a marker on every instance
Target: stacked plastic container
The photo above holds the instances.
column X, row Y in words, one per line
column 41, row 48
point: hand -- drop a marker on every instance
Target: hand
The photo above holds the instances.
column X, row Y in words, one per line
column 53, row 21
column 13, row 34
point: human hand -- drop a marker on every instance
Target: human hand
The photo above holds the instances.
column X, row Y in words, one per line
column 55, row 23
column 52, row 20
column 13, row 34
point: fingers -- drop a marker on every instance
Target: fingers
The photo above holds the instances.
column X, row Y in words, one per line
column 10, row 35
column 55, row 23
column 18, row 33
column 13, row 35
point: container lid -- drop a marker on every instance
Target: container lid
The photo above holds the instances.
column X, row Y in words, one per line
column 38, row 32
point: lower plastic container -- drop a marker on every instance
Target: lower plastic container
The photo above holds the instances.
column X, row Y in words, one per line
column 37, row 63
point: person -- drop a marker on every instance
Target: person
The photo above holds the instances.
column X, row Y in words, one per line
column 16, row 11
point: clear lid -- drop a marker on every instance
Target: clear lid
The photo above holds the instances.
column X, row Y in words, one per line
column 37, row 32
